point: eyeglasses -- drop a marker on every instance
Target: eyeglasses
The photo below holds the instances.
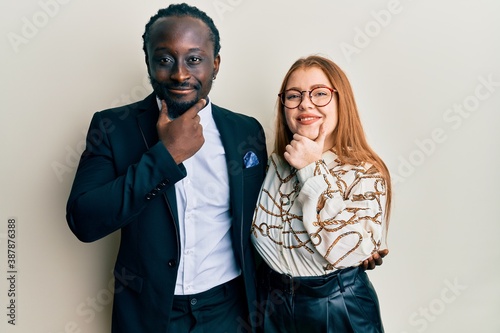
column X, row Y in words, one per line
column 319, row 96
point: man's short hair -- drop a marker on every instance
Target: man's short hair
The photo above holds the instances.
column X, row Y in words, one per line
column 182, row 10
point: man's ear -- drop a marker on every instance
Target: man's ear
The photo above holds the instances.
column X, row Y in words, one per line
column 216, row 64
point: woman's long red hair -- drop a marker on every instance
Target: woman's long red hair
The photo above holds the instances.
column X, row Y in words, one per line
column 350, row 143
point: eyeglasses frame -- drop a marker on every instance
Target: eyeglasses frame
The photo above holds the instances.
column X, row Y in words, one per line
column 309, row 92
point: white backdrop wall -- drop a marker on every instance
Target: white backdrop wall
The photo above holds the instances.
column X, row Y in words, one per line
column 426, row 75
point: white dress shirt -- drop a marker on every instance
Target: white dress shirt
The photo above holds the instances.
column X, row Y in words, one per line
column 207, row 257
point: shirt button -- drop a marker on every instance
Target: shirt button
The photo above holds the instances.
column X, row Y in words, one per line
column 194, row 301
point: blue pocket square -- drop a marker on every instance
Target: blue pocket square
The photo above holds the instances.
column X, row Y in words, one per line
column 250, row 159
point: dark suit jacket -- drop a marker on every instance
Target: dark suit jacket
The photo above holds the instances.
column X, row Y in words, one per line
column 125, row 181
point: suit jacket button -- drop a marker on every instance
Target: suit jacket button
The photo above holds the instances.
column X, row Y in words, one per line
column 172, row 263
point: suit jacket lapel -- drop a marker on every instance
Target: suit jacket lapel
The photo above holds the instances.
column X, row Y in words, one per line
column 227, row 129
column 147, row 118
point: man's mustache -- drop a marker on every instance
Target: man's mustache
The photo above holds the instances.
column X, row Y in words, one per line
column 184, row 85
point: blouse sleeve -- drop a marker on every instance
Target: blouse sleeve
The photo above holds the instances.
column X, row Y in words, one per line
column 342, row 212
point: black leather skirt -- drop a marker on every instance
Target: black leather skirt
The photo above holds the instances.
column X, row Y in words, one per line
column 341, row 302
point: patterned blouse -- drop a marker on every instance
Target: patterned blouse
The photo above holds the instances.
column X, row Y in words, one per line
column 323, row 217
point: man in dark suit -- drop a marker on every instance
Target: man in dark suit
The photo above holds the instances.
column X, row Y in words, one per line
column 179, row 177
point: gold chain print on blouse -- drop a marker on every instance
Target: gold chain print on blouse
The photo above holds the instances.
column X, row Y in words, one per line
column 340, row 208
column 284, row 202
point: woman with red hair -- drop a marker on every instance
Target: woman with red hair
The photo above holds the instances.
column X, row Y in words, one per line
column 323, row 208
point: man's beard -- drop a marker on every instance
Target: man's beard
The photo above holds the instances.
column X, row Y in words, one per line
column 175, row 108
